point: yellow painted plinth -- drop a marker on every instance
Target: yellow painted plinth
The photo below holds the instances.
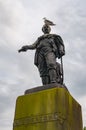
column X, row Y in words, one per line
column 51, row 109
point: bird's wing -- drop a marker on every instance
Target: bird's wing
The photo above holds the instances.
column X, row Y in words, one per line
column 49, row 22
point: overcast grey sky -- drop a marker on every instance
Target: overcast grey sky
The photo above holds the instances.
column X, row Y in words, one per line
column 20, row 24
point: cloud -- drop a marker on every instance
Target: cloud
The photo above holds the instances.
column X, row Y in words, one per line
column 20, row 24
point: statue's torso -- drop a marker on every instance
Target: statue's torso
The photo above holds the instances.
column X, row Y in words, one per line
column 45, row 45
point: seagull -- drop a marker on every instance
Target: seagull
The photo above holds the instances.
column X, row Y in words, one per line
column 48, row 22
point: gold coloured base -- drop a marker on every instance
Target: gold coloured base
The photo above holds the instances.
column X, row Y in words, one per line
column 50, row 109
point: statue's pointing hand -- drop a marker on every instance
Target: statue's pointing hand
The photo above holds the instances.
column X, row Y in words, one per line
column 24, row 48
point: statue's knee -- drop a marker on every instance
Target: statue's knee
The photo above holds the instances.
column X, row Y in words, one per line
column 51, row 66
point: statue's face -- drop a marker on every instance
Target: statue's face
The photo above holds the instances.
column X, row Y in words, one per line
column 46, row 29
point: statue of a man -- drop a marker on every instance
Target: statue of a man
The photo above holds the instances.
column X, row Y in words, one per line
column 48, row 48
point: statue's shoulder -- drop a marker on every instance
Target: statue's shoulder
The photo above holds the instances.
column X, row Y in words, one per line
column 40, row 37
column 56, row 36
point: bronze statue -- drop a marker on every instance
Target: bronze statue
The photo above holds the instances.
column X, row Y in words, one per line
column 48, row 48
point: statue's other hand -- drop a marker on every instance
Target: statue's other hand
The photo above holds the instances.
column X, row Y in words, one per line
column 61, row 53
column 24, row 48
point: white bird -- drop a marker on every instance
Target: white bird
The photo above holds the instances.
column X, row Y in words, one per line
column 48, row 22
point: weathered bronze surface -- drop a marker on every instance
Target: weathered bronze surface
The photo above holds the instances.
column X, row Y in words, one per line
column 48, row 48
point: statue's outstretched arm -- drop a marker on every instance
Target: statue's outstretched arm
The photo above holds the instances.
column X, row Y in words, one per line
column 26, row 47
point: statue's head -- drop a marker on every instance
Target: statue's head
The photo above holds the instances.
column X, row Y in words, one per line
column 46, row 29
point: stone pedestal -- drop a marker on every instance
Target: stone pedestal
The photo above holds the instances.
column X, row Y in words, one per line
column 49, row 109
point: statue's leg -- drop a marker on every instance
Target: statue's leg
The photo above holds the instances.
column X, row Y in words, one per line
column 45, row 80
column 51, row 66
column 42, row 67
column 52, row 75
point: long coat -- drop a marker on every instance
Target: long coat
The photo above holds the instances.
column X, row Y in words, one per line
column 56, row 44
